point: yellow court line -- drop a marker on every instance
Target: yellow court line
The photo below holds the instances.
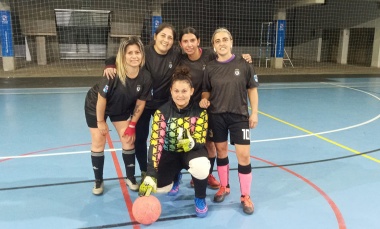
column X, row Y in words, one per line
column 321, row 137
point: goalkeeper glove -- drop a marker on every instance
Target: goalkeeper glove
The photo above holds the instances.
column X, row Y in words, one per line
column 149, row 183
column 186, row 144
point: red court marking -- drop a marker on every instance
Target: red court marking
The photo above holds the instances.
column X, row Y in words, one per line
column 127, row 198
column 338, row 214
column 123, row 185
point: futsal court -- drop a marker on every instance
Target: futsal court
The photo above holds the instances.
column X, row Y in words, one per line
column 315, row 161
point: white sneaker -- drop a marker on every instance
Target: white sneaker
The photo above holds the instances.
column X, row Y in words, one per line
column 98, row 187
column 132, row 183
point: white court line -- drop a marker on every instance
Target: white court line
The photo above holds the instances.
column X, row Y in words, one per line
column 281, row 86
column 330, row 131
column 41, row 93
column 36, row 91
column 253, row 141
column 53, row 154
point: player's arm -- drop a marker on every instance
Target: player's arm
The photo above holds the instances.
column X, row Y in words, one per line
column 205, row 102
column 253, row 97
column 157, row 139
column 100, row 113
column 110, row 68
column 200, row 130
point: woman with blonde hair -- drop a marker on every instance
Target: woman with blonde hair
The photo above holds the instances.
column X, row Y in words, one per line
column 122, row 99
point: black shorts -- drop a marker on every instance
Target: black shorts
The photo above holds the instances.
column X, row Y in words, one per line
column 171, row 163
column 237, row 125
column 92, row 121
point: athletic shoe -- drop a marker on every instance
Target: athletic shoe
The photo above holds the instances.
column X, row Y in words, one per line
column 132, row 183
column 223, row 192
column 212, row 182
column 200, row 207
column 98, row 187
column 247, row 204
column 175, row 189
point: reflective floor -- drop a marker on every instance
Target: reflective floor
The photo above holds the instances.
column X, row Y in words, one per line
column 315, row 161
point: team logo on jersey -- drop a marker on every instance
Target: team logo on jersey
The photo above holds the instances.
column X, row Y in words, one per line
column 170, row 64
column 138, row 88
column 204, row 67
column 105, row 89
column 237, row 72
column 256, row 78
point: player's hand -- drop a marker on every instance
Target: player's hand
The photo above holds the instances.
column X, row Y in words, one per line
column 102, row 127
column 131, row 129
column 204, row 103
column 186, row 144
column 110, row 73
column 253, row 120
column 148, row 183
column 247, row 57
column 129, row 133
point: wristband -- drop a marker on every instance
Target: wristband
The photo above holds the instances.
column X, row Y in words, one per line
column 131, row 129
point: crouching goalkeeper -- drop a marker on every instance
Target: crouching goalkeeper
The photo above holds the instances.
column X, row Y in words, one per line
column 178, row 142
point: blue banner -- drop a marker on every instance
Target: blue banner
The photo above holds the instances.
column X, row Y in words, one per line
column 6, row 34
column 280, row 41
column 156, row 21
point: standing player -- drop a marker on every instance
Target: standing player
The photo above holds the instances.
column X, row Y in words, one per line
column 228, row 80
column 161, row 60
column 196, row 59
column 178, row 141
column 123, row 100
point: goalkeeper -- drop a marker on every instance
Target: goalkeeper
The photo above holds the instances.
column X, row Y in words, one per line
column 178, row 142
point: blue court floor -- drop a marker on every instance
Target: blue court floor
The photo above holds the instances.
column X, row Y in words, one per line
column 315, row 162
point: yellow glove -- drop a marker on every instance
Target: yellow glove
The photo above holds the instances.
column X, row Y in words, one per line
column 149, row 185
column 186, row 144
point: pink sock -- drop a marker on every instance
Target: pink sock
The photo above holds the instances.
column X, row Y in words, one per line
column 245, row 183
column 223, row 174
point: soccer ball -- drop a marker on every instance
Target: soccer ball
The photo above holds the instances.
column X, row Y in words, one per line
column 146, row 209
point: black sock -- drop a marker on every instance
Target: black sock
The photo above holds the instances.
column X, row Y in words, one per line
column 200, row 187
column 129, row 162
column 97, row 164
column 212, row 163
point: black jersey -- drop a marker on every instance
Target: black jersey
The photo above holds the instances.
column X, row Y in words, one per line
column 227, row 83
column 161, row 68
column 171, row 124
column 120, row 99
column 196, row 70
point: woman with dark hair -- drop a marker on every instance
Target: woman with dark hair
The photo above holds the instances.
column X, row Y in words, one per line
column 122, row 99
column 177, row 142
column 196, row 59
column 161, row 59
